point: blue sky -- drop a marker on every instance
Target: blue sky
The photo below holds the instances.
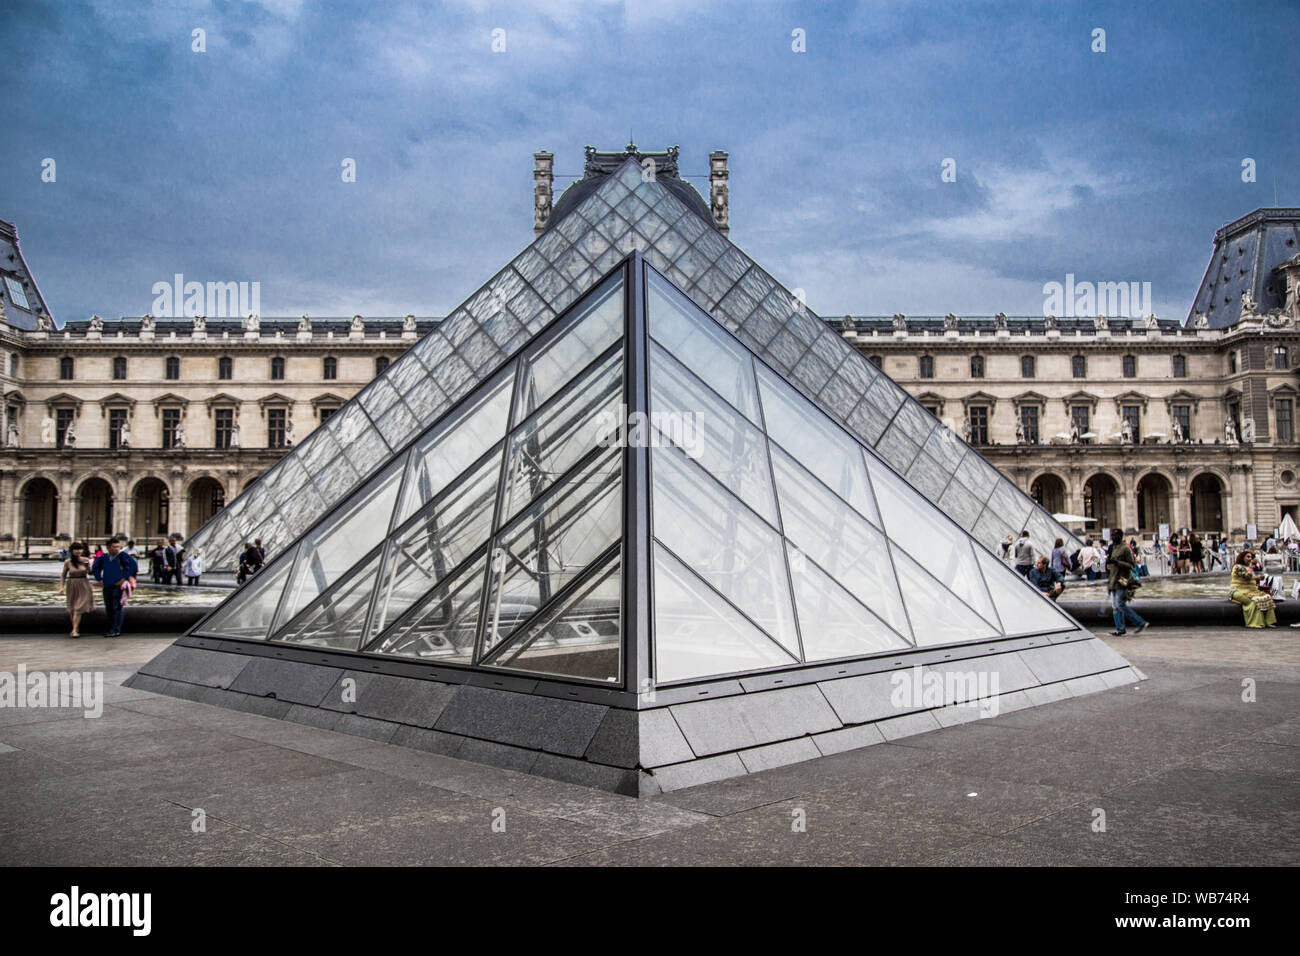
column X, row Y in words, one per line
column 225, row 165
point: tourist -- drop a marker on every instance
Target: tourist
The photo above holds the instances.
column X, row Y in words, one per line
column 1184, row 555
column 1257, row 605
column 180, row 562
column 75, row 582
column 112, row 570
column 1212, row 550
column 1120, row 583
column 1047, row 579
column 1089, row 558
column 1059, row 557
column 1007, row 542
column 1198, row 554
column 170, row 568
column 131, row 550
column 193, row 568
column 157, row 561
column 1024, row 554
column 261, row 552
column 250, row 562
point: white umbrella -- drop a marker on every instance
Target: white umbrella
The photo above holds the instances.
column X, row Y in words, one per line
column 1064, row 435
column 1155, row 434
column 1287, row 529
column 1071, row 519
column 1088, row 435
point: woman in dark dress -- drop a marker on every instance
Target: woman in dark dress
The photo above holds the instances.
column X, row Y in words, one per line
column 1198, row 554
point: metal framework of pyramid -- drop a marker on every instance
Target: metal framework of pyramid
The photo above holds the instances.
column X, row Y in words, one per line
column 634, row 556
column 628, row 211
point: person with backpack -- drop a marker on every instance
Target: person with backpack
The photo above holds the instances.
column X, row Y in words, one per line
column 113, row 570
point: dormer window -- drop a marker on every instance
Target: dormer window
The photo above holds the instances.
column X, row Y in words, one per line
column 16, row 293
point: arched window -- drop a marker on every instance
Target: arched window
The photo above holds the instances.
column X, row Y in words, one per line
column 331, row 367
column 225, row 368
column 1129, row 364
column 927, row 366
column 381, row 365
column 1027, row 366
column 277, row 368
column 1079, row 366
column 977, row 366
column 65, row 368
column 1279, row 358
column 173, row 368
column 119, row 367
column 1180, row 366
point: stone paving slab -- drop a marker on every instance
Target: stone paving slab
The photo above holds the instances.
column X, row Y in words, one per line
column 1186, row 772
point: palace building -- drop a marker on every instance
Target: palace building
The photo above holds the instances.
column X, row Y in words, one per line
column 148, row 426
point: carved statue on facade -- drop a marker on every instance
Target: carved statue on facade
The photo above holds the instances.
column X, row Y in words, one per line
column 1000, row 321
column 70, row 436
column 1050, row 322
column 200, row 323
column 900, row 322
column 1249, row 307
column 1074, row 433
column 147, row 323
column 96, row 324
column 178, row 436
column 124, row 434
column 846, row 324
column 288, row 431
column 1230, row 431
column 965, row 430
column 719, row 204
column 234, row 434
column 304, row 325
column 44, row 323
column 1179, row 437
column 1020, row 432
column 950, row 323
column 1101, row 323
column 253, row 323
column 358, row 324
column 1126, row 432
column 12, row 438
column 1199, row 321
column 541, row 204
column 408, row 323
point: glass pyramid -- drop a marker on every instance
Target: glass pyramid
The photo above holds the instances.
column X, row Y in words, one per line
column 624, row 213
column 637, row 496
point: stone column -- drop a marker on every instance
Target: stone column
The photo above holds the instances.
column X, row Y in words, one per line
column 543, row 189
column 719, row 194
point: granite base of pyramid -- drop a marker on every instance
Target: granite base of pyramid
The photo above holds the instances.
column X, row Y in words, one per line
column 639, row 746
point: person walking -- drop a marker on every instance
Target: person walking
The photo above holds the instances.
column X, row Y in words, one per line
column 180, row 562
column 112, row 570
column 1257, row 605
column 157, row 562
column 1119, row 583
column 1198, row 554
column 193, row 568
column 1060, row 560
column 170, row 569
column 261, row 552
column 74, row 581
column 1089, row 558
column 1024, row 553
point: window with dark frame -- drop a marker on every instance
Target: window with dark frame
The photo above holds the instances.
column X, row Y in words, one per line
column 878, row 361
column 978, row 415
column 65, row 368
column 1183, row 415
column 381, row 364
column 926, row 364
column 116, row 422
column 173, row 369
column 119, row 367
column 1129, row 366
column 331, row 367
column 1133, row 415
column 1180, row 366
column 225, row 368
column 1027, row 366
column 1029, row 423
column 171, row 422
column 1232, row 362
column 277, row 369
column 62, row 419
column 977, row 366
column 1279, row 358
column 224, row 427
column 1081, row 418
column 325, row 413
column 1283, row 411
column 275, row 422
column 1079, row 366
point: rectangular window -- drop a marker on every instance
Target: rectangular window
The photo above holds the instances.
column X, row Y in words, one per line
column 16, row 294
column 1129, row 365
column 275, row 421
column 926, row 366
column 62, row 419
column 1029, row 423
column 1183, row 415
column 979, row 425
column 1133, row 415
column 325, row 414
column 1180, row 366
column 933, row 410
column 1285, row 426
column 171, row 423
column 116, row 421
column 224, row 427
column 1080, row 419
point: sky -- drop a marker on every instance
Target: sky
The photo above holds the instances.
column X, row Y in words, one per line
column 225, row 165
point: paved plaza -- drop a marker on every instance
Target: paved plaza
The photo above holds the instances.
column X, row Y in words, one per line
column 1182, row 770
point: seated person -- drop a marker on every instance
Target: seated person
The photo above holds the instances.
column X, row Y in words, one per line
column 1050, row 582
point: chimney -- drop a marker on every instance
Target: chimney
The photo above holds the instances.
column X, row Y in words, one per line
column 543, row 193
column 718, row 200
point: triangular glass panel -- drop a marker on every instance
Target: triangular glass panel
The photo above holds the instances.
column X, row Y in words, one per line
column 723, row 542
column 833, row 623
column 442, row 626
column 580, row 635
column 1021, row 608
column 348, row 535
column 337, row 619
column 698, row 633
column 250, row 611
column 940, row 617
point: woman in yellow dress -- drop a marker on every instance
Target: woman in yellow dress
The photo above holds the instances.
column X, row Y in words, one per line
column 75, row 583
column 1256, row 604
